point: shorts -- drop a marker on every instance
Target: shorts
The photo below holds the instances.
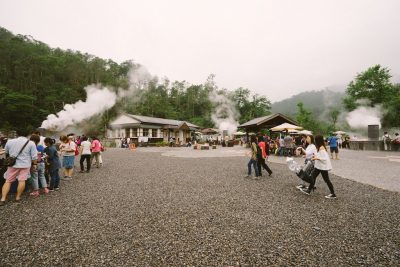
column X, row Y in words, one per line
column 12, row 174
column 334, row 149
column 68, row 162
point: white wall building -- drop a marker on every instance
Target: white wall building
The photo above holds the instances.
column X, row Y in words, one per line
column 143, row 128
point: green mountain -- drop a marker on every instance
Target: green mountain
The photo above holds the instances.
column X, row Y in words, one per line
column 318, row 102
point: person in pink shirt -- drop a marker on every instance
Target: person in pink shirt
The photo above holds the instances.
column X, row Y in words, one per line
column 96, row 149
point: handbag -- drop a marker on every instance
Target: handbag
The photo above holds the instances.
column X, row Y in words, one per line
column 10, row 161
column 305, row 172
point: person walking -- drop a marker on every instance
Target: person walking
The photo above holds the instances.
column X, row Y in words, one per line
column 86, row 154
column 262, row 156
column 333, row 145
column 38, row 174
column 308, row 152
column 25, row 153
column 322, row 165
column 53, row 164
column 253, row 158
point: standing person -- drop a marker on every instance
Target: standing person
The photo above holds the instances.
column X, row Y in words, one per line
column 309, row 152
column 26, row 159
column 333, row 145
column 38, row 174
column 322, row 164
column 253, row 158
column 86, row 154
column 386, row 141
column 53, row 163
column 68, row 148
column 262, row 156
column 96, row 149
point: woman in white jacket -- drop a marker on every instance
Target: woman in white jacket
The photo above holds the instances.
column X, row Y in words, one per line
column 322, row 164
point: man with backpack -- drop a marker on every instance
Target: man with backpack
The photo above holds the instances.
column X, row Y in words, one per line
column 22, row 158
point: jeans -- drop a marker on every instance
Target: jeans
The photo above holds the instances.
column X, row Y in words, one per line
column 37, row 176
column 254, row 163
column 55, row 178
column 88, row 159
column 325, row 176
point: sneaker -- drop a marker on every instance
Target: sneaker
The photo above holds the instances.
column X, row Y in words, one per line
column 67, row 178
column 2, row 203
column 56, row 188
column 305, row 191
column 247, row 176
column 301, row 186
column 35, row 193
column 82, row 171
column 331, row 196
column 46, row 190
column 51, row 189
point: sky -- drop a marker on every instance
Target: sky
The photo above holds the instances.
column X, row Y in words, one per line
column 274, row 48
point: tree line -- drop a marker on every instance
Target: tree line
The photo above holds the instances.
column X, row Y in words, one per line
column 37, row 80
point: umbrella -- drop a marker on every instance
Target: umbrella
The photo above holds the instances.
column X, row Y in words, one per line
column 285, row 126
column 339, row 132
column 305, row 132
column 239, row 133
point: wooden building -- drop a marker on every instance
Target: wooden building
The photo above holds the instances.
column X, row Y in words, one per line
column 149, row 129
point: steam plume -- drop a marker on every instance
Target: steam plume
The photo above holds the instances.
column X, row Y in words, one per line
column 99, row 99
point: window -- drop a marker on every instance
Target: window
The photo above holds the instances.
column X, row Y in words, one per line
column 134, row 132
column 127, row 132
column 154, row 133
column 145, row 132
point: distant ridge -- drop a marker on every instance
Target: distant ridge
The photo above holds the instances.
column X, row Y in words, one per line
column 318, row 102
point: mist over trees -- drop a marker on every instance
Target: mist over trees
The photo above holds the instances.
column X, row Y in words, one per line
column 36, row 80
column 372, row 87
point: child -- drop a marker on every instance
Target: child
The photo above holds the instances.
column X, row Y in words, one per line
column 322, row 165
column 53, row 162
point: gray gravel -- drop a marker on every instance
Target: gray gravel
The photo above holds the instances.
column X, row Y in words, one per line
column 144, row 209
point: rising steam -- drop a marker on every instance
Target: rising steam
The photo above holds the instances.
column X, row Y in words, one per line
column 225, row 114
column 99, row 99
column 364, row 116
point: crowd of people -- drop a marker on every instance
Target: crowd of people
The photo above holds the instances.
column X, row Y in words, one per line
column 391, row 143
column 317, row 160
column 40, row 159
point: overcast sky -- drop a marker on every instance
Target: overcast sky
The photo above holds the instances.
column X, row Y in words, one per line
column 275, row 48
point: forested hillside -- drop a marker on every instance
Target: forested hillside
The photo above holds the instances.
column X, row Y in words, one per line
column 317, row 102
column 37, row 80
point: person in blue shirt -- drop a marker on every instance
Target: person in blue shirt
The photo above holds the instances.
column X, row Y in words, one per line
column 333, row 145
column 53, row 162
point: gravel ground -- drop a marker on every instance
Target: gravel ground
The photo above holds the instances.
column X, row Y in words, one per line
column 144, row 209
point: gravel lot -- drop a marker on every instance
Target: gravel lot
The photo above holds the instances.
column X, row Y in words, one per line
column 145, row 209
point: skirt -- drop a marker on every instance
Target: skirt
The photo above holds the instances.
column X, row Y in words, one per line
column 68, row 162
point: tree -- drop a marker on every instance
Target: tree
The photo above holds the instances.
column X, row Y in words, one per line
column 372, row 85
column 333, row 115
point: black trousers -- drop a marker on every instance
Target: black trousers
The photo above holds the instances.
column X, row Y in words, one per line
column 261, row 163
column 83, row 158
column 325, row 176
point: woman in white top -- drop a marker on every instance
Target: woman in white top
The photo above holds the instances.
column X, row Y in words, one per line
column 309, row 152
column 322, row 164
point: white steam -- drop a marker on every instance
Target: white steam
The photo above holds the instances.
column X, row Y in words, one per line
column 364, row 116
column 225, row 114
column 99, row 99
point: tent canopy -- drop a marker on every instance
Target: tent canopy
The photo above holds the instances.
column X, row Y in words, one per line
column 285, row 126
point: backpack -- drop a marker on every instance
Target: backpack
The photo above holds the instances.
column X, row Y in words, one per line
column 259, row 152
